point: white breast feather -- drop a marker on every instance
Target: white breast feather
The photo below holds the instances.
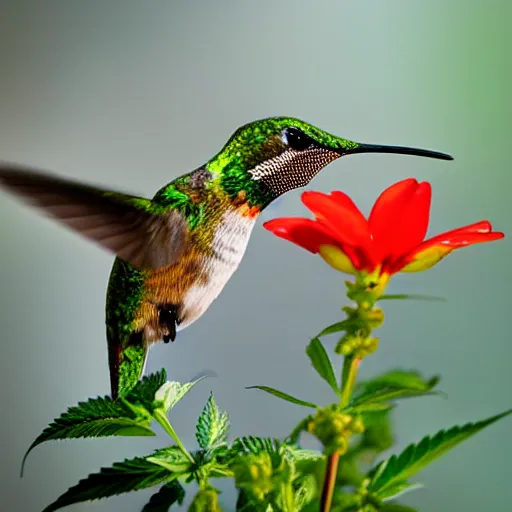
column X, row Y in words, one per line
column 229, row 244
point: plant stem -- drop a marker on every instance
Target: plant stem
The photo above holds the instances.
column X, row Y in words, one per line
column 164, row 422
column 329, row 481
column 287, row 495
column 348, row 380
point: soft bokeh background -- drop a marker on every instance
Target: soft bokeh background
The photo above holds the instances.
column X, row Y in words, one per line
column 132, row 94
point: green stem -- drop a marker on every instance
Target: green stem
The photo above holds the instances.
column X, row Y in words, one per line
column 348, row 380
column 287, row 495
column 164, row 422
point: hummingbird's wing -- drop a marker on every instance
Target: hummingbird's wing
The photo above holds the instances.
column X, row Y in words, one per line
column 126, row 225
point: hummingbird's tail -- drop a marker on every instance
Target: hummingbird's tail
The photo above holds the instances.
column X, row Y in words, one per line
column 126, row 367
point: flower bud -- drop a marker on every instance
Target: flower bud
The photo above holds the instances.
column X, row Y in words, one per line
column 333, row 428
column 374, row 318
column 369, row 508
column 348, row 344
column 367, row 347
column 254, row 473
column 206, row 500
column 357, row 426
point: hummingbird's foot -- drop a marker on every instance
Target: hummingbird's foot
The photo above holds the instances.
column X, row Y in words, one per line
column 168, row 320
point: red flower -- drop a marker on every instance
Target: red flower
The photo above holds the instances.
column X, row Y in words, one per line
column 389, row 241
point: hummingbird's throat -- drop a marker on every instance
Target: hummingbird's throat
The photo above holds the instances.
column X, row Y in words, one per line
column 291, row 169
column 243, row 208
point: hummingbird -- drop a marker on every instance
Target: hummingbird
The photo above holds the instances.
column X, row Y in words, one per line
column 174, row 253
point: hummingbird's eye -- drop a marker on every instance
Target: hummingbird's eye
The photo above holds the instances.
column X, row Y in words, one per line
column 296, row 139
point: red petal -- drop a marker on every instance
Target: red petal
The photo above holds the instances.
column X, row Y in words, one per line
column 463, row 239
column 399, row 219
column 306, row 233
column 484, row 226
column 339, row 213
column 449, row 241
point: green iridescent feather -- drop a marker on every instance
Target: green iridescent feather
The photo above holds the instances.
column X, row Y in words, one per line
column 247, row 147
column 131, row 367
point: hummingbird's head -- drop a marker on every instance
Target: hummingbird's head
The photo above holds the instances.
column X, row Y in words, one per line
column 278, row 154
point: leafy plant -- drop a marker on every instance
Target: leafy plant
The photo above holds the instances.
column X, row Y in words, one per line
column 353, row 424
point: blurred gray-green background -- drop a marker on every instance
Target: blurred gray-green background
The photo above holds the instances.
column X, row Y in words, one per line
column 132, row 94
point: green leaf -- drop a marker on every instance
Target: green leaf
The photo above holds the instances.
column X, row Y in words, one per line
column 256, row 445
column 297, row 454
column 144, row 391
column 305, row 491
column 122, row 477
column 379, row 400
column 294, row 436
column 369, row 408
column 399, row 468
column 168, row 494
column 411, row 296
column 307, row 463
column 398, row 489
column 397, row 378
column 170, row 393
column 393, row 385
column 396, row 507
column 212, row 426
column 284, row 396
column 171, row 458
column 322, row 363
column 378, row 435
column 333, row 329
column 98, row 417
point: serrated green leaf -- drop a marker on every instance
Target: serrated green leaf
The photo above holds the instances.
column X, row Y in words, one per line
column 307, row 463
column 303, row 454
column 391, row 386
column 398, row 489
column 170, row 393
column 333, row 329
column 256, row 445
column 378, row 400
column 144, row 391
column 171, row 458
column 98, row 417
column 415, row 457
column 284, row 396
column 409, row 379
column 378, row 435
column 122, row 477
column 168, row 494
column 322, row 364
column 212, row 426
column 396, row 507
column 411, row 296
column 369, row 408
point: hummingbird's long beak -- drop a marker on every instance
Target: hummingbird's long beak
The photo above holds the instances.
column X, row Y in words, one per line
column 400, row 150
